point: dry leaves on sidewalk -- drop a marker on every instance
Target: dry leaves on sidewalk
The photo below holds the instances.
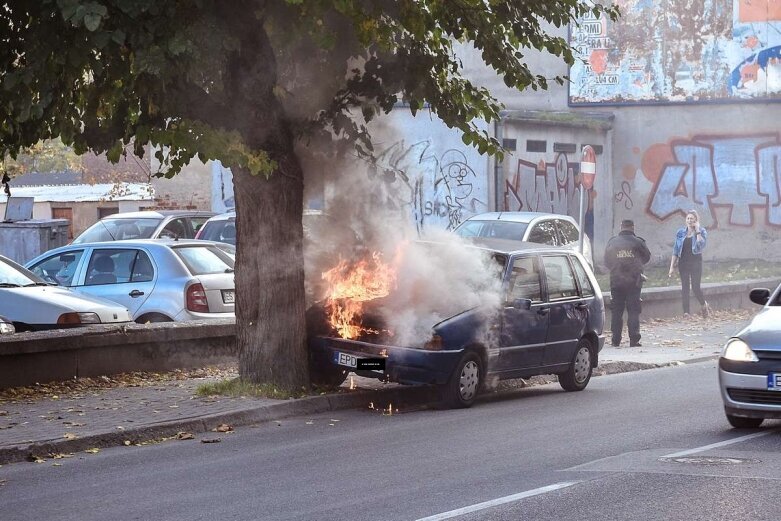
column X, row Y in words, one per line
column 223, row 427
column 185, row 436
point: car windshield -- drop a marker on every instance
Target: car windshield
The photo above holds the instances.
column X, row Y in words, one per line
column 220, row 231
column 204, row 260
column 15, row 276
column 119, row 229
column 493, row 229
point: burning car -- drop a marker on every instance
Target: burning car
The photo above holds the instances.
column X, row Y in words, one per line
column 547, row 317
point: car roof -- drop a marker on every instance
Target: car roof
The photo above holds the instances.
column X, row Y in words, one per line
column 159, row 214
column 135, row 243
column 506, row 246
column 518, row 217
column 227, row 216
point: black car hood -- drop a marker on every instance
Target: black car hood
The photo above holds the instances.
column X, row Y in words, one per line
column 764, row 331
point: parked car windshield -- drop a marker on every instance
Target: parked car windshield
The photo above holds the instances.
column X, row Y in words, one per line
column 494, row 229
column 119, row 229
column 203, row 260
column 12, row 276
column 220, row 231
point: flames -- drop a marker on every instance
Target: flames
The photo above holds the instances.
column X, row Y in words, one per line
column 350, row 284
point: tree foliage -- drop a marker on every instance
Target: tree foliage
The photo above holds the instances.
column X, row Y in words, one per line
column 243, row 81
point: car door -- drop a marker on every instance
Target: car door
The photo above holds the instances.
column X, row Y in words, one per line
column 543, row 232
column 523, row 331
column 568, row 311
column 124, row 275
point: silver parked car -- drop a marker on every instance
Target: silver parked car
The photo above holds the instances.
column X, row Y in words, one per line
column 171, row 224
column 220, row 228
column 157, row 280
column 538, row 227
column 28, row 303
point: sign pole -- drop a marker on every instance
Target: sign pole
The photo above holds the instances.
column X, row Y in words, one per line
column 588, row 170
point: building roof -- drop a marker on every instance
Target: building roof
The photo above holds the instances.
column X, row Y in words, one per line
column 84, row 192
column 47, row 179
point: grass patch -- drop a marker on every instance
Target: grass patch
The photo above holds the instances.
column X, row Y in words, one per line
column 716, row 271
column 235, row 387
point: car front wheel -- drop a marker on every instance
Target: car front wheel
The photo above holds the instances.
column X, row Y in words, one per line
column 576, row 378
column 739, row 422
column 461, row 390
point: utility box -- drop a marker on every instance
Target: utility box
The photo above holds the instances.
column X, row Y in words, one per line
column 22, row 241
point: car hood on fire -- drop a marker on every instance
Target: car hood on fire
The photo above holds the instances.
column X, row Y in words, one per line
column 764, row 331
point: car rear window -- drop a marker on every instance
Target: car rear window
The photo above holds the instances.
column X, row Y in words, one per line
column 119, row 229
column 219, row 231
column 493, row 229
column 203, row 260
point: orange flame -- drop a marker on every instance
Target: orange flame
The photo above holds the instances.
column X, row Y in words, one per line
column 350, row 284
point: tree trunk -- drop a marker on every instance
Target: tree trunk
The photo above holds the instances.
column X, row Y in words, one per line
column 270, row 305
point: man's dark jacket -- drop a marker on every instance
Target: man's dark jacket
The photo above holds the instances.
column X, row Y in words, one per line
column 625, row 256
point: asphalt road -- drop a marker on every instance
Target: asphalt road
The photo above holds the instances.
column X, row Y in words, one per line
column 630, row 447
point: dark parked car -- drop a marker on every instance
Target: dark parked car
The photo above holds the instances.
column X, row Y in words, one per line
column 750, row 365
column 550, row 322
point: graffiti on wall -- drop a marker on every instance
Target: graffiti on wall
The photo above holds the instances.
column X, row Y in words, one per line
column 547, row 187
column 436, row 190
column 678, row 51
column 739, row 173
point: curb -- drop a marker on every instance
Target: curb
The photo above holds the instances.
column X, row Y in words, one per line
column 405, row 396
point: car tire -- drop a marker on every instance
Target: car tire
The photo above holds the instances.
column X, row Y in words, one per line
column 152, row 318
column 740, row 422
column 465, row 382
column 578, row 374
column 328, row 377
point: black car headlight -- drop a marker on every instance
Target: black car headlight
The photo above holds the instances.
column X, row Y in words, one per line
column 738, row 351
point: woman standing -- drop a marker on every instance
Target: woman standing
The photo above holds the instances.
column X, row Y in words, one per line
column 687, row 253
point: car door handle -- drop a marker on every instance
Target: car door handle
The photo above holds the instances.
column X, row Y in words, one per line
column 543, row 311
column 135, row 293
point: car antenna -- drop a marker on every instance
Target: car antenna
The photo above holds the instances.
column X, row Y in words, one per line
column 107, row 230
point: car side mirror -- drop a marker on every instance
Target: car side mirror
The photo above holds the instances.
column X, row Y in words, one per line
column 759, row 296
column 520, row 303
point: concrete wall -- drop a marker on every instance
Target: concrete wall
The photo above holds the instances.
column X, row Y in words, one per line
column 190, row 189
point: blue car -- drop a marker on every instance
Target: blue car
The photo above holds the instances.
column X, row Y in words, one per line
column 551, row 322
column 750, row 365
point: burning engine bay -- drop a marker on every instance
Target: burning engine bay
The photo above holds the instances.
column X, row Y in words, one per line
column 396, row 298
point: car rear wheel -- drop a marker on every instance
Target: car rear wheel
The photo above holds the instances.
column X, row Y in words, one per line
column 579, row 373
column 152, row 318
column 739, row 422
column 327, row 376
column 461, row 390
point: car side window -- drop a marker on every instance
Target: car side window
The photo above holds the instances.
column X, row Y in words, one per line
column 544, row 232
column 177, row 229
column 59, row 268
column 559, row 277
column 197, row 223
column 586, row 289
column 110, row 267
column 142, row 269
column 524, row 280
column 569, row 232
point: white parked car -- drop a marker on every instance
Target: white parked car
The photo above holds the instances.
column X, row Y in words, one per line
column 31, row 304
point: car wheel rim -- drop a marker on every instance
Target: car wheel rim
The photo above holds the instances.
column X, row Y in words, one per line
column 582, row 365
column 470, row 375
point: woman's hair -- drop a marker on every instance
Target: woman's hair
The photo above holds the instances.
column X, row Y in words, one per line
column 694, row 213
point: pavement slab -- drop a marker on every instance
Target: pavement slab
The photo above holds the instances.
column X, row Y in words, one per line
column 48, row 420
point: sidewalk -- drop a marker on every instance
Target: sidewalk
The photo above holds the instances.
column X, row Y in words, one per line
column 49, row 421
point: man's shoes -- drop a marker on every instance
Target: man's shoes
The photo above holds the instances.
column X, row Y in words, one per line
column 635, row 344
column 615, row 344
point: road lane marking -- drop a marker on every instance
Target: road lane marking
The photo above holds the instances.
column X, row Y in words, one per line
column 719, row 444
column 499, row 501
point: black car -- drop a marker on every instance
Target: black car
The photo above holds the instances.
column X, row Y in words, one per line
column 550, row 322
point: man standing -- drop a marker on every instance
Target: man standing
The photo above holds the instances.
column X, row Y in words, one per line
column 625, row 256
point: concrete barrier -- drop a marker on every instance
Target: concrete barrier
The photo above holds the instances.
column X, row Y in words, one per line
column 27, row 358
column 46, row 356
column 665, row 302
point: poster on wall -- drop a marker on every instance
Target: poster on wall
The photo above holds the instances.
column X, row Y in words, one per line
column 678, row 51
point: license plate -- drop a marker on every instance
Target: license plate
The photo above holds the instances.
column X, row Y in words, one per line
column 774, row 382
column 345, row 359
column 229, row 296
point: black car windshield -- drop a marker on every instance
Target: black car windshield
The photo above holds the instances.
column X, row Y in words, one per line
column 15, row 276
column 119, row 229
column 493, row 229
column 205, row 260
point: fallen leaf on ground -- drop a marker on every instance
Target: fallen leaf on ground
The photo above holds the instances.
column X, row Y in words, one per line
column 223, row 427
column 127, row 443
column 211, row 440
column 70, row 436
column 185, row 436
column 56, row 464
column 92, row 451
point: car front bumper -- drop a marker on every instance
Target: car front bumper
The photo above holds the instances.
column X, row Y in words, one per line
column 402, row 364
column 747, row 395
